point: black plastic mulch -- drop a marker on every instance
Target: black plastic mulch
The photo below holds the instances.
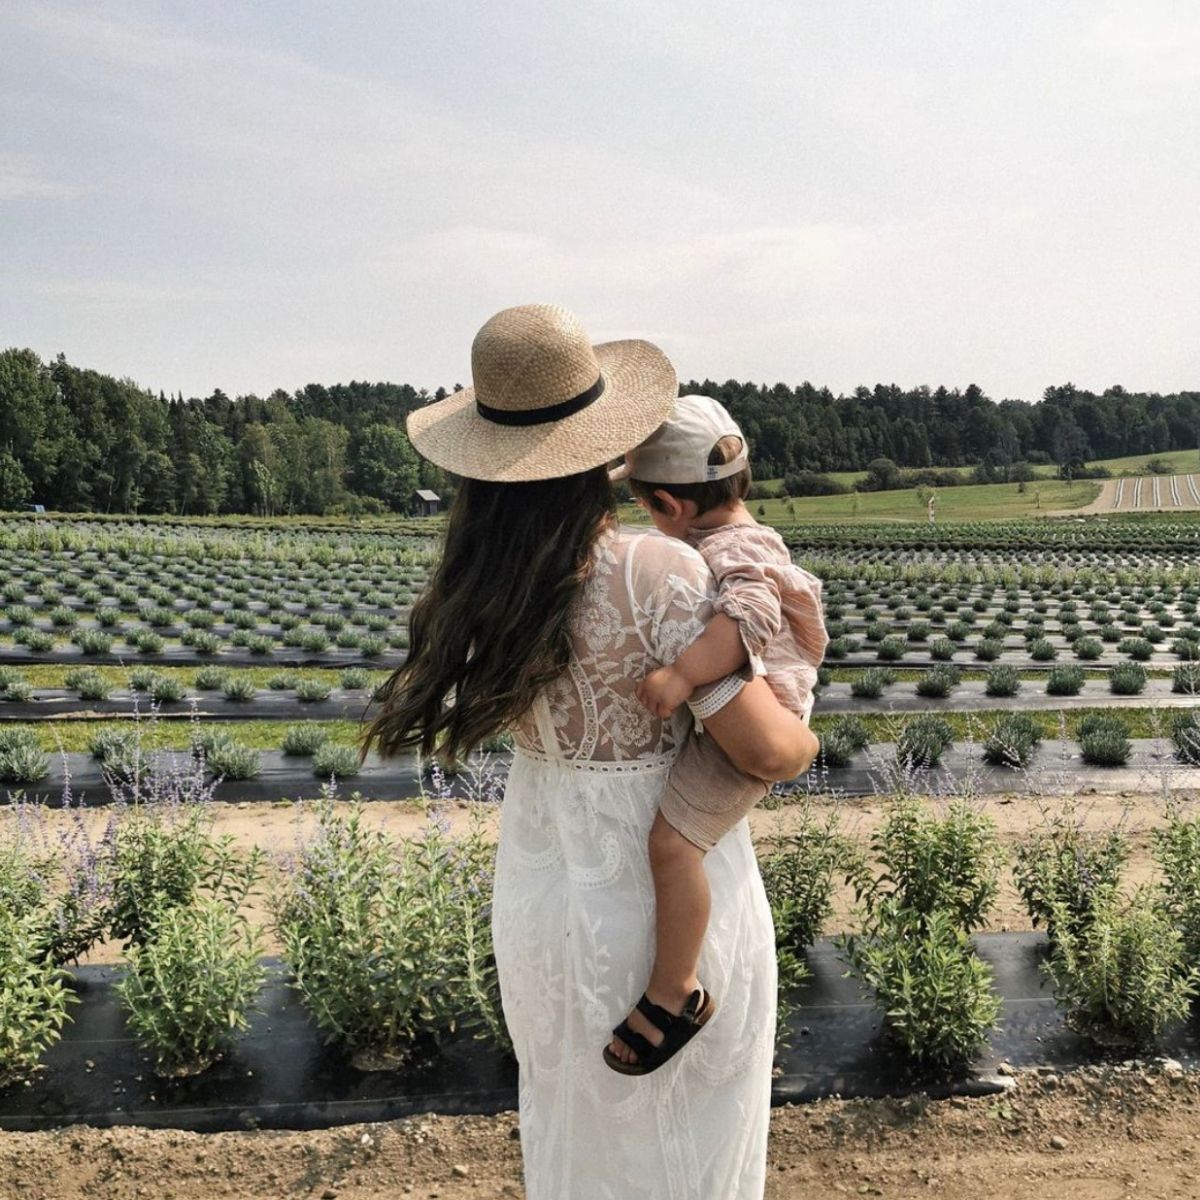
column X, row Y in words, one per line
column 280, row 1076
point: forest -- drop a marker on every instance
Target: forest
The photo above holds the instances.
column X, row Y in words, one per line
column 74, row 439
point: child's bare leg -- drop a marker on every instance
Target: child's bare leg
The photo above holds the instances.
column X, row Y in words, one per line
column 682, row 905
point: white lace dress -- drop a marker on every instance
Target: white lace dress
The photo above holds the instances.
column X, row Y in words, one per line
column 573, row 916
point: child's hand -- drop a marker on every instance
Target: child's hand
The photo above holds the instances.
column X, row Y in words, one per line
column 663, row 691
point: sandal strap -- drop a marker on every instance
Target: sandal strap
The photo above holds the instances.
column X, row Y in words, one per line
column 641, row 1046
column 664, row 1020
column 656, row 1014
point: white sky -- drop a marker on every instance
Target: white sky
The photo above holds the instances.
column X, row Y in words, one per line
column 246, row 196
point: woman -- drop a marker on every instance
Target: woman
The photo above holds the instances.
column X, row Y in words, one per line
column 542, row 617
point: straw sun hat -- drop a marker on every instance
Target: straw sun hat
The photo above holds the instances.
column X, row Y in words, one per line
column 545, row 401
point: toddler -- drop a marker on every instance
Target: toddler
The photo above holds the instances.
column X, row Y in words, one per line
column 693, row 475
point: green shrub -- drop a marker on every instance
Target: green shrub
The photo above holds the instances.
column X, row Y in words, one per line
column 1013, row 740
column 239, row 689
column 189, row 989
column 168, row 689
column 206, row 643
column 302, row 741
column 923, row 741
column 1062, row 873
column 941, row 649
column 283, row 681
column 21, row 761
column 1087, row 648
column 844, row 737
column 148, row 643
column 210, row 679
column 799, row 870
column 33, row 996
column 334, row 760
column 231, row 759
column 938, row 682
column 1003, row 681
column 1186, row 679
column 930, row 863
column 167, row 858
column 1177, row 853
column 1135, row 648
column 93, row 642
column 17, row 691
column 891, row 649
column 387, row 940
column 935, row 992
column 87, row 683
column 1127, row 679
column 1042, row 650
column 1065, row 681
column 314, row 641
column 312, row 691
column 1185, row 733
column 1104, row 740
column 1121, row 976
column 354, row 679
column 110, row 743
column 870, row 684
column 988, row 649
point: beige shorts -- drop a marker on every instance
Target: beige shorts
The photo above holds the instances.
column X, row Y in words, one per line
column 706, row 794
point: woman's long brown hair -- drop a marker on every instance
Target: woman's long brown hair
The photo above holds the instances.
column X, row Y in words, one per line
column 491, row 628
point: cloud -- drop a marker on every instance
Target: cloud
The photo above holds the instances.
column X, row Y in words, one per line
column 119, row 292
column 26, row 176
column 1158, row 41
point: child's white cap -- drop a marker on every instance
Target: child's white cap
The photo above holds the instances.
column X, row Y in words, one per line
column 677, row 451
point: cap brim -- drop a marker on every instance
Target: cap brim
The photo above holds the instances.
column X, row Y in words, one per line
column 640, row 387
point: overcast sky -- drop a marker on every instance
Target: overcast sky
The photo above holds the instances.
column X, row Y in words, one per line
column 207, row 194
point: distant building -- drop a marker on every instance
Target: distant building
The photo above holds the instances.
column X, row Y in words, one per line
column 426, row 503
column 36, row 508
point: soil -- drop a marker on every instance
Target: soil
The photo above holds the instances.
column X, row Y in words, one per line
column 1101, row 1134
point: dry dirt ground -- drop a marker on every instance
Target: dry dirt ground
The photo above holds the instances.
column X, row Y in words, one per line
column 1101, row 1134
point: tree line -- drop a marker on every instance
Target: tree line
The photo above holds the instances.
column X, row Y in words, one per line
column 76, row 439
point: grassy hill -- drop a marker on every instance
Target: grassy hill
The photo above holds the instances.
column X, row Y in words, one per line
column 1182, row 462
column 970, row 502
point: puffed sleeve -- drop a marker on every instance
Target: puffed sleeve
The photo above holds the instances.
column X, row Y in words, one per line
column 672, row 590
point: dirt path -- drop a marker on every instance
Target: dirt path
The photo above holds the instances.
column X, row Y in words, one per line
column 1103, row 1134
column 277, row 827
column 1136, row 493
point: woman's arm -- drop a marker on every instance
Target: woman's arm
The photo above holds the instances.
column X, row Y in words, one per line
column 761, row 737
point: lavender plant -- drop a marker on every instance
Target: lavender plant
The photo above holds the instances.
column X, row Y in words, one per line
column 33, row 996
column 1122, row 975
column 389, row 941
column 1177, row 852
column 1065, row 874
column 800, row 869
column 191, row 987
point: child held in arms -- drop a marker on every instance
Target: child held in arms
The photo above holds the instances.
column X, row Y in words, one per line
column 692, row 475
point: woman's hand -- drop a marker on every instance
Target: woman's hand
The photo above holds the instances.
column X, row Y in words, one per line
column 761, row 737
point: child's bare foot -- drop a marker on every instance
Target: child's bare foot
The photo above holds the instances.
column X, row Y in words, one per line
column 672, row 1000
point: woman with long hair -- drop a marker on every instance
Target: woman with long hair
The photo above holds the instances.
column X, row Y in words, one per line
column 541, row 618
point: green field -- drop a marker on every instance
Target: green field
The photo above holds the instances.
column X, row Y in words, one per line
column 1181, row 461
column 970, row 502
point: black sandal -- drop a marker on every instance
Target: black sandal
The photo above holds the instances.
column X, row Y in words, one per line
column 677, row 1031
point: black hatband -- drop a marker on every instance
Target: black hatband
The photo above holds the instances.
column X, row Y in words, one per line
column 542, row 416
